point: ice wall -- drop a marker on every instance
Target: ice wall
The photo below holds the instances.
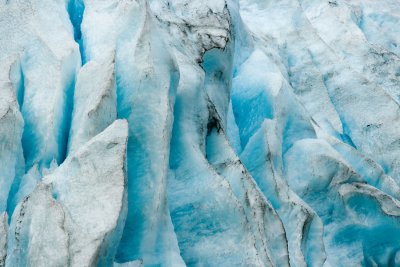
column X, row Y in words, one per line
column 199, row 133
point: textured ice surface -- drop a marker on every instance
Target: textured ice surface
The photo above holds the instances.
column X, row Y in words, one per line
column 3, row 237
column 199, row 133
column 11, row 127
column 61, row 222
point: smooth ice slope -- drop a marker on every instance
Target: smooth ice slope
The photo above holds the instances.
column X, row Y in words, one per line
column 199, row 133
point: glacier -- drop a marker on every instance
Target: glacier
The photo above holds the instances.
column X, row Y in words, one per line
column 199, row 133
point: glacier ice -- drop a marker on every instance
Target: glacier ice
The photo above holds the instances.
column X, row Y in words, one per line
column 95, row 102
column 11, row 128
column 3, row 237
column 51, row 227
column 199, row 133
column 41, row 39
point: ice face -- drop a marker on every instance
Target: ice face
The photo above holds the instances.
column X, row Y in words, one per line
column 11, row 127
column 52, row 227
column 39, row 35
column 94, row 101
column 3, row 238
column 199, row 133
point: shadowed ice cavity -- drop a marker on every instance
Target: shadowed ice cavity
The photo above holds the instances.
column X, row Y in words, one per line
column 76, row 9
